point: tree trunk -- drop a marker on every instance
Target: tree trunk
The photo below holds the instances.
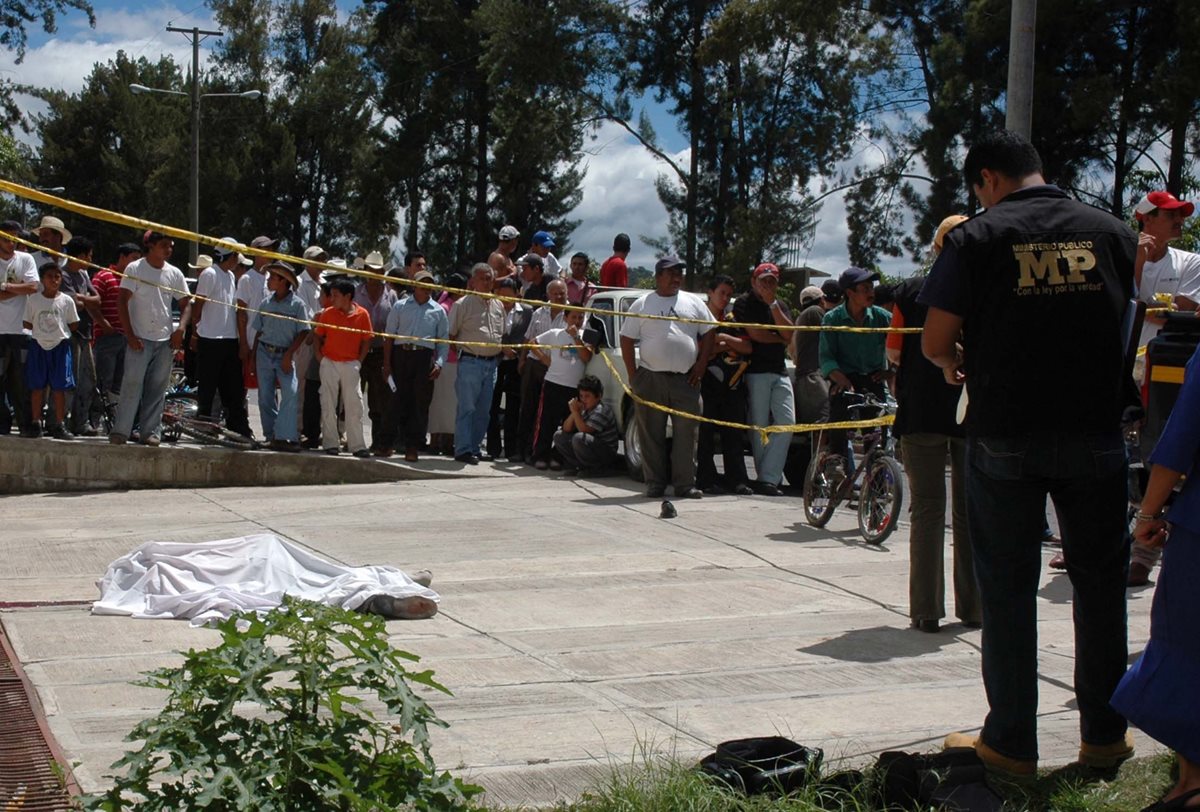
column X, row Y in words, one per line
column 695, row 102
column 482, row 230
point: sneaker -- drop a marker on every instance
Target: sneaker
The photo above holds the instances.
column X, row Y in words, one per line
column 1106, row 756
column 153, row 440
column 60, row 432
column 1009, row 767
column 116, row 438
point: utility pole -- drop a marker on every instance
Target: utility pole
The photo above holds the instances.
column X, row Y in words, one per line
column 196, row 35
column 1021, row 34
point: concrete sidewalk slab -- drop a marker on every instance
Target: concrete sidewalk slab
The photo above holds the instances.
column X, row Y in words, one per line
column 578, row 631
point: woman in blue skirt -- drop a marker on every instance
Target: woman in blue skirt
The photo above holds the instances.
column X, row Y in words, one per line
column 1159, row 694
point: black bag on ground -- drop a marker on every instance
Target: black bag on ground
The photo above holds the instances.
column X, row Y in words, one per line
column 761, row 765
column 954, row 780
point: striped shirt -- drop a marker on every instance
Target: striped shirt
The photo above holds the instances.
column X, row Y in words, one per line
column 107, row 284
column 603, row 424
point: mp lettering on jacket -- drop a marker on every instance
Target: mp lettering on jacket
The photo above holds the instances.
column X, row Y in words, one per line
column 1055, row 267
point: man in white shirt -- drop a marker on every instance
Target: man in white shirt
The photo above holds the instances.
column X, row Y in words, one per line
column 251, row 290
column 18, row 279
column 668, row 372
column 542, row 242
column 215, row 341
column 53, row 234
column 1163, row 272
column 150, row 338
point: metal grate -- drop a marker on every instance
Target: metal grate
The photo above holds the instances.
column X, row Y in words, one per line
column 32, row 770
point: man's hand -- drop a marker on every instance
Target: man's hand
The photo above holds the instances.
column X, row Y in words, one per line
column 1146, row 247
column 286, row 363
column 697, row 373
column 575, row 406
column 177, row 340
column 434, row 372
column 105, row 325
column 244, row 351
column 133, row 342
column 839, row 382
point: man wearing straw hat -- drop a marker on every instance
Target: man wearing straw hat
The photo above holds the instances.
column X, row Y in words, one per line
column 53, row 234
column 281, row 327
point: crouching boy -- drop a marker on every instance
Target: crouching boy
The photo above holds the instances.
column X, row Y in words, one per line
column 51, row 316
column 587, row 441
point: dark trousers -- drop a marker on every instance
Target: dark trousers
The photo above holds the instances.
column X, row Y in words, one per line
column 379, row 400
column 532, row 376
column 839, row 439
column 552, row 411
column 669, row 389
column 583, row 452
column 15, row 413
column 502, row 430
column 1008, row 480
column 414, row 391
column 722, row 403
column 219, row 369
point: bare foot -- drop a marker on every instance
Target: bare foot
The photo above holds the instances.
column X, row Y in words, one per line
column 422, row 577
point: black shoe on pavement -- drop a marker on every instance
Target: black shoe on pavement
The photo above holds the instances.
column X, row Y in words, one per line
column 766, row 489
column 363, row 453
column 714, row 490
column 333, row 451
column 468, row 459
column 690, row 493
column 742, row 489
column 60, row 432
column 34, row 432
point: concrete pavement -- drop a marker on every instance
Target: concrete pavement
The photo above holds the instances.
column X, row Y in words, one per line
column 577, row 629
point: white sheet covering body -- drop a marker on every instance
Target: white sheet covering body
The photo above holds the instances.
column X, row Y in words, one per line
column 206, row 581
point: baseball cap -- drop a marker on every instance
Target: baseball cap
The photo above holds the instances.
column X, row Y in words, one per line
column 854, row 276
column 543, row 239
column 531, row 259
column 315, row 252
column 766, row 269
column 263, row 242
column 669, row 261
column 1161, row 200
column 831, row 290
column 423, row 276
column 221, row 252
column 509, row 233
column 810, row 294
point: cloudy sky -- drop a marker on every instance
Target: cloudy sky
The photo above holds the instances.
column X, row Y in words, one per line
column 618, row 190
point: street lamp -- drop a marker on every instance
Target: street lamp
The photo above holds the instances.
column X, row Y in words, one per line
column 195, row 94
column 51, row 189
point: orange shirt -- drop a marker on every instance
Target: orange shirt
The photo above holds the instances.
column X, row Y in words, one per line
column 342, row 345
column 895, row 341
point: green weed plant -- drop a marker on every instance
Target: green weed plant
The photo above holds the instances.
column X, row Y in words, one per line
column 275, row 718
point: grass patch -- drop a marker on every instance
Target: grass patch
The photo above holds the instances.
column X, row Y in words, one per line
column 665, row 785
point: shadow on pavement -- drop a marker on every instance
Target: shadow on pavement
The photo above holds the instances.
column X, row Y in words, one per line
column 879, row 644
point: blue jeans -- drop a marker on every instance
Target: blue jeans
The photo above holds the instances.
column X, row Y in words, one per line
column 1008, row 480
column 144, row 388
column 279, row 421
column 771, row 404
column 473, row 389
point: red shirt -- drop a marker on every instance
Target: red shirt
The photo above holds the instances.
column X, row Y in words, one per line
column 107, row 284
column 614, row 273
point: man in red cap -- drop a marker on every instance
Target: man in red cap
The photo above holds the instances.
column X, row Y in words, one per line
column 767, row 384
column 1160, row 269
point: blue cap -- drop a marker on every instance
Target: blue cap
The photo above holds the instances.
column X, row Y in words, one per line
column 543, row 239
column 853, row 276
column 669, row 261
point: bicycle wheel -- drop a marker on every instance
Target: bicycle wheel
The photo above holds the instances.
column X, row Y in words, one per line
column 880, row 500
column 215, row 433
column 822, row 486
column 174, row 408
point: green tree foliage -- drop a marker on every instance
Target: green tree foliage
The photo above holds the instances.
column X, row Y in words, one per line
column 770, row 95
column 306, row 172
column 123, row 151
column 1116, row 88
column 14, row 17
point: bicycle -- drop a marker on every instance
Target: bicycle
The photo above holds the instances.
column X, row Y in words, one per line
column 881, row 490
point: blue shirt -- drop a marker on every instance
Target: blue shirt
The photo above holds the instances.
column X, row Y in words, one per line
column 1179, row 447
column 280, row 332
column 417, row 321
column 853, row 353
